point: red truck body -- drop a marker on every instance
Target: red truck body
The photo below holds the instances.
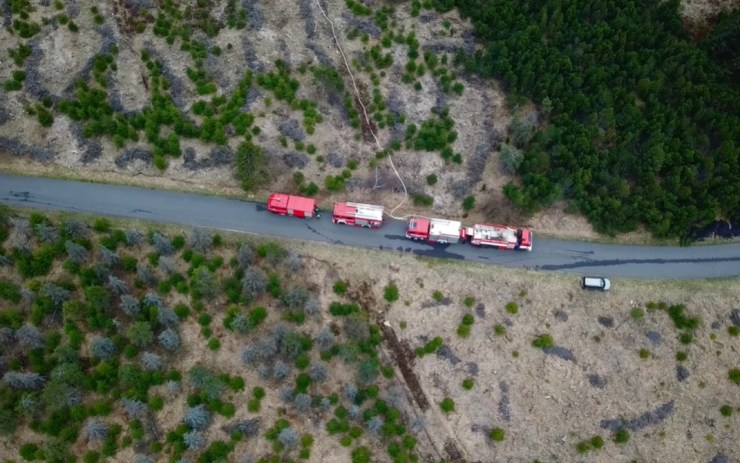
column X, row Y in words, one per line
column 292, row 205
column 360, row 215
column 435, row 230
column 500, row 236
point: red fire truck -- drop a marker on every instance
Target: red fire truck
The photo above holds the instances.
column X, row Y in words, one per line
column 435, row 230
column 292, row 205
column 500, row 236
column 361, row 215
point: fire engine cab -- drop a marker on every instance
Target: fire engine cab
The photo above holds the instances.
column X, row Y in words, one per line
column 361, row 215
column 435, row 230
column 292, row 205
column 500, row 236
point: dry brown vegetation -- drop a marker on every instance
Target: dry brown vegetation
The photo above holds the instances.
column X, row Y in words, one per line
column 611, row 361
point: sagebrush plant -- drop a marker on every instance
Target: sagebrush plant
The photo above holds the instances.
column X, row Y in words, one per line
column 497, row 434
column 391, row 293
column 447, row 405
column 621, row 436
column 543, row 341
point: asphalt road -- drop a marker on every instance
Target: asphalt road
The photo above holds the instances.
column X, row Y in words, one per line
column 649, row 262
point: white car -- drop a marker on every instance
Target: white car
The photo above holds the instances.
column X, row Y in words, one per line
column 596, row 283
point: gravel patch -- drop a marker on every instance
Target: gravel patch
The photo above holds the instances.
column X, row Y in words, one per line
column 445, row 352
column 292, row 129
column 133, row 154
column 282, row 45
column 682, row 373
column 504, row 406
column 428, row 17
column 649, row 418
column 560, row 352
column 93, row 151
column 219, row 156
column 304, row 6
column 596, row 381
column 335, row 159
column 560, row 316
column 255, row 18
column 295, row 160
column 4, row 114
column 252, row 95
column 73, row 8
column 32, row 83
column 469, row 41
column 444, row 301
column 607, row 322
column 7, row 15
column 320, row 53
column 250, row 56
column 363, row 26
column 480, row 310
column 655, row 338
column 17, row 148
column 735, row 317
column 177, row 88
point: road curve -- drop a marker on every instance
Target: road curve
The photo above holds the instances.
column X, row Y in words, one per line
column 648, row 262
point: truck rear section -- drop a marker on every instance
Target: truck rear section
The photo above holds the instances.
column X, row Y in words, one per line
column 292, row 205
column 357, row 214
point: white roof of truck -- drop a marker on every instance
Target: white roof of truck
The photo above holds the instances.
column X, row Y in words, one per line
column 443, row 227
column 367, row 211
column 494, row 233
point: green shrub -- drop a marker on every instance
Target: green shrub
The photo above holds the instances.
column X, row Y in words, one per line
column 28, row 451
column 583, row 447
column 463, row 331
column 391, row 293
column 597, row 442
column 726, row 410
column 469, row 302
column 499, row 329
column 447, row 405
column 334, row 183
column 431, row 179
column 512, row 307
column 637, row 313
column 468, row 383
column 734, row 375
column 498, row 435
column 421, row 199
column 468, row 319
column 680, row 320
column 621, row 436
column 468, row 203
column 339, row 309
column 340, row 287
column 733, row 330
column 543, row 341
column 681, row 356
column 430, row 347
column 438, row 296
column 9, row 291
column 644, row 354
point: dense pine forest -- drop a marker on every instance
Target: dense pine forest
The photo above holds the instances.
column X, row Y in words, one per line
column 643, row 120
